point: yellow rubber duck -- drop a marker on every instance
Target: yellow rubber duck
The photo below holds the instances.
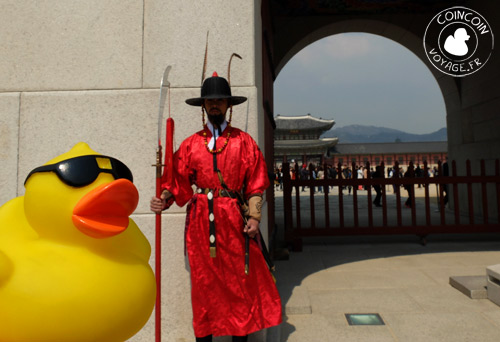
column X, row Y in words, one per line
column 73, row 265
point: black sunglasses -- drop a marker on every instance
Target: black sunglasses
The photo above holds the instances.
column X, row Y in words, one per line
column 83, row 170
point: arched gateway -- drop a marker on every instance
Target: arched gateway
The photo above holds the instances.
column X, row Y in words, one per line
column 289, row 26
column 472, row 101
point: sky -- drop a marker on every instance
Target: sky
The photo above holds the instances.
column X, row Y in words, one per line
column 361, row 79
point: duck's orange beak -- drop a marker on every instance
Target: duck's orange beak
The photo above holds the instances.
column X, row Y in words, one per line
column 104, row 211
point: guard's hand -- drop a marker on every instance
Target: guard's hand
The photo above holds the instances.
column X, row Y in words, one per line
column 251, row 228
column 157, row 205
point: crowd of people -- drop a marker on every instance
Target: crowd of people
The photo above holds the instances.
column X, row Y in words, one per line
column 312, row 171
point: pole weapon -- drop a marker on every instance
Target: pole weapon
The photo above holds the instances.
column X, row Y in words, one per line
column 258, row 238
column 247, row 238
column 164, row 89
column 204, row 61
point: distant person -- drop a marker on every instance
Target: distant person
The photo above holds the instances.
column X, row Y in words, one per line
column 347, row 173
column 278, row 180
column 446, row 173
column 292, row 172
column 280, row 177
column 418, row 174
column 365, row 176
column 379, row 173
column 456, row 44
column 409, row 188
column 314, row 174
column 321, row 175
column 359, row 174
column 331, row 172
column 304, row 175
column 392, row 174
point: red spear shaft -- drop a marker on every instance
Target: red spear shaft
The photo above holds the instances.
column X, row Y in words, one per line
column 158, row 248
column 164, row 87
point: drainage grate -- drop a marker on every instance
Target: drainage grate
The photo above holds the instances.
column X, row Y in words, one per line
column 364, row 319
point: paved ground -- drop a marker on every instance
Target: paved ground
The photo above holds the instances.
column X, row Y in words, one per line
column 397, row 277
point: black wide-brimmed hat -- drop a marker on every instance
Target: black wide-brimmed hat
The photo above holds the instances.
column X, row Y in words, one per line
column 216, row 87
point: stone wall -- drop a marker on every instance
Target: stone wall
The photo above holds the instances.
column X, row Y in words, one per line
column 90, row 71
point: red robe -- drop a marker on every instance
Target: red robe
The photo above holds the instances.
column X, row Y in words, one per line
column 225, row 301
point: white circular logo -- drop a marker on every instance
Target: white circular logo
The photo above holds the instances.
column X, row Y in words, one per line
column 458, row 41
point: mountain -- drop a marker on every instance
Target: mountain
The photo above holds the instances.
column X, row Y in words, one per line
column 373, row 134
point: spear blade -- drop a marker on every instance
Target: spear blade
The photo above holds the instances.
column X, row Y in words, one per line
column 164, row 87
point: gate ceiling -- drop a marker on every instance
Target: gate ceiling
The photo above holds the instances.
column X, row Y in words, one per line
column 300, row 23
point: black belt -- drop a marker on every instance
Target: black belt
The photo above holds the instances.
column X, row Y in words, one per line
column 217, row 192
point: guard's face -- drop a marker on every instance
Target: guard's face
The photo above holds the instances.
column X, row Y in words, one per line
column 216, row 110
column 216, row 106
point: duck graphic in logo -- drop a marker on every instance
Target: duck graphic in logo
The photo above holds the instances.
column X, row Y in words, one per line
column 456, row 44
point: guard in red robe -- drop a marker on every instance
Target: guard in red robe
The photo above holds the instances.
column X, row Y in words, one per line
column 222, row 162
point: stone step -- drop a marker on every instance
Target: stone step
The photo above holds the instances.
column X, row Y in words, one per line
column 472, row 286
column 493, row 283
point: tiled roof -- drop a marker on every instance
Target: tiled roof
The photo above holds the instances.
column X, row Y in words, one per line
column 319, row 146
column 305, row 122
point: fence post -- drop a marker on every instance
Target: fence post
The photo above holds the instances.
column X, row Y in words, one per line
column 297, row 196
column 383, row 188
column 497, row 173
column 287, row 202
column 355, row 196
column 441, row 191
column 326, row 190
column 398, row 193
column 297, row 241
column 412, row 195
column 369, row 195
column 341, row 196
column 455, row 193
column 484, row 193
column 469, row 192
column 312, row 190
column 427, row 200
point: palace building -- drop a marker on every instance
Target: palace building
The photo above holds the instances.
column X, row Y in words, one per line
column 298, row 137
